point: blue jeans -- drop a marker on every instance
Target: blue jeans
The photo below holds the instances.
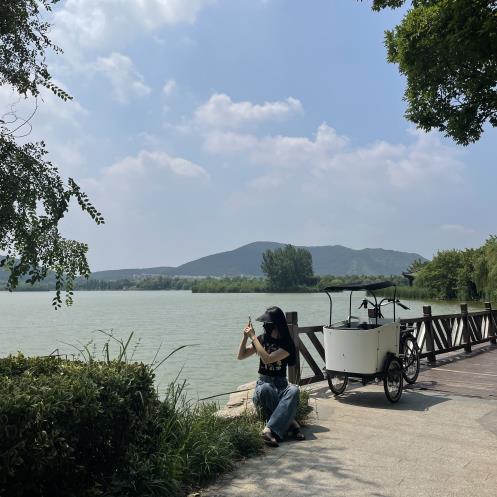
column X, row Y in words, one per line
column 278, row 401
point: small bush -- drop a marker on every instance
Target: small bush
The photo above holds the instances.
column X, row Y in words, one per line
column 75, row 428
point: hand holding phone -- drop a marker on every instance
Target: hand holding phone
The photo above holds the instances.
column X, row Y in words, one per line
column 249, row 329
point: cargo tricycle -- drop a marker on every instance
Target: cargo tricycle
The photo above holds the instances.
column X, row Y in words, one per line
column 373, row 349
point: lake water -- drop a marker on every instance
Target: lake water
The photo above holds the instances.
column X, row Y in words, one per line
column 164, row 320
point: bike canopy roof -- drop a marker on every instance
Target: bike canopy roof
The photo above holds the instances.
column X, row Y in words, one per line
column 371, row 286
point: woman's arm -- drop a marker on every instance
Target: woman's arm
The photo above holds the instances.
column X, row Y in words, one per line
column 243, row 350
column 266, row 358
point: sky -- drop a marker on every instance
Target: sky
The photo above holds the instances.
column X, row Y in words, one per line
column 198, row 126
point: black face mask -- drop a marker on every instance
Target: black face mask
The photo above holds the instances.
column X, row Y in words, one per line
column 268, row 328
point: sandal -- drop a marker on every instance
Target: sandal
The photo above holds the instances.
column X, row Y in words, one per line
column 269, row 439
column 296, row 433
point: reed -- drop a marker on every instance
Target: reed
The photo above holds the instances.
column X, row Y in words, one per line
column 409, row 292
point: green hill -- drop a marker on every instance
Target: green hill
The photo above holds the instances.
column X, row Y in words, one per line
column 246, row 260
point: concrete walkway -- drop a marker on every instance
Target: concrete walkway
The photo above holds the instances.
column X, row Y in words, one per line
column 430, row 444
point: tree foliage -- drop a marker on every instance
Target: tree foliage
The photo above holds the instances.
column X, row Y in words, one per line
column 486, row 269
column 450, row 275
column 447, row 51
column 416, row 265
column 34, row 197
column 462, row 274
column 287, row 268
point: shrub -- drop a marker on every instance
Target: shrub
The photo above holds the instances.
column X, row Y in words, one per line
column 75, row 428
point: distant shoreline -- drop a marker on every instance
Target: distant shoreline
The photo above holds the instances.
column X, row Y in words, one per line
column 427, row 300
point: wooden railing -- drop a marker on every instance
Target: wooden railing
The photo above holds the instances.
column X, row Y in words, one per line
column 434, row 334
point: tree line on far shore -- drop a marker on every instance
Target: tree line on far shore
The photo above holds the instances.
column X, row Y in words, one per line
column 469, row 274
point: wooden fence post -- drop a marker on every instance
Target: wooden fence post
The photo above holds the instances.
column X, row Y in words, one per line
column 491, row 323
column 430, row 344
column 465, row 329
column 294, row 371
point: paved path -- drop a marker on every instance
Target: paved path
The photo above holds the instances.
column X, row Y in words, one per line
column 432, row 443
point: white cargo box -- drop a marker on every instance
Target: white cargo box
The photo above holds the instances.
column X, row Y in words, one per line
column 357, row 350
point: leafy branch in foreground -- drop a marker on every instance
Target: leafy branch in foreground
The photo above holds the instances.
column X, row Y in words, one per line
column 34, row 199
column 33, row 196
column 23, row 43
column 446, row 49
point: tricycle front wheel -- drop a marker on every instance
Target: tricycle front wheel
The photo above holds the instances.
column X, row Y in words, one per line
column 337, row 382
column 393, row 380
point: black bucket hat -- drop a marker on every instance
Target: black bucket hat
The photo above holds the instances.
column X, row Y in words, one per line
column 266, row 317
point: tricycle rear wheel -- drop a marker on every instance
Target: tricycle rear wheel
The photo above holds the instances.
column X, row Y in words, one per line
column 393, row 380
column 411, row 359
column 337, row 383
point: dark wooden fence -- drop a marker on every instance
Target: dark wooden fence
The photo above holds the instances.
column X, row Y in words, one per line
column 434, row 334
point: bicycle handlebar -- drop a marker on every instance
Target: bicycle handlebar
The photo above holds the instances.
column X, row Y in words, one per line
column 365, row 303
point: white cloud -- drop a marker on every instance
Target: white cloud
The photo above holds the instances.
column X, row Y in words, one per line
column 283, row 151
column 147, row 164
column 126, row 81
column 169, row 87
column 330, row 155
column 221, row 112
column 111, row 23
column 457, row 229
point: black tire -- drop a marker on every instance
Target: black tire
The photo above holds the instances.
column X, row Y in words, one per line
column 337, row 383
column 393, row 379
column 410, row 359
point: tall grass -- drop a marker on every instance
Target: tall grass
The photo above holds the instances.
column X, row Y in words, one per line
column 197, row 444
column 408, row 292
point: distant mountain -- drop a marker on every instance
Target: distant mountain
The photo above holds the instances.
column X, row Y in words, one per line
column 246, row 260
column 129, row 274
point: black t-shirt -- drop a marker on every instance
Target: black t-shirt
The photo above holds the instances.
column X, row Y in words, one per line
column 271, row 344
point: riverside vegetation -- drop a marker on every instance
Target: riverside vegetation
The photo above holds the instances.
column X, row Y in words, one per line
column 90, row 428
column 469, row 274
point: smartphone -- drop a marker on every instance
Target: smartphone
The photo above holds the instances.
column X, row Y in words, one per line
column 250, row 321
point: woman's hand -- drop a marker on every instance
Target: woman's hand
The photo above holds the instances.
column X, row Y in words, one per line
column 249, row 331
column 244, row 351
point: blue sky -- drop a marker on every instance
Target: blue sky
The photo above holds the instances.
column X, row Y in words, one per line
column 200, row 125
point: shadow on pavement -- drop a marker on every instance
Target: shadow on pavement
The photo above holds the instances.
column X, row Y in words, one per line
column 309, row 431
column 301, row 471
column 410, row 400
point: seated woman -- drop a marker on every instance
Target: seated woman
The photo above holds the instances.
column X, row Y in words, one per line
column 273, row 394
